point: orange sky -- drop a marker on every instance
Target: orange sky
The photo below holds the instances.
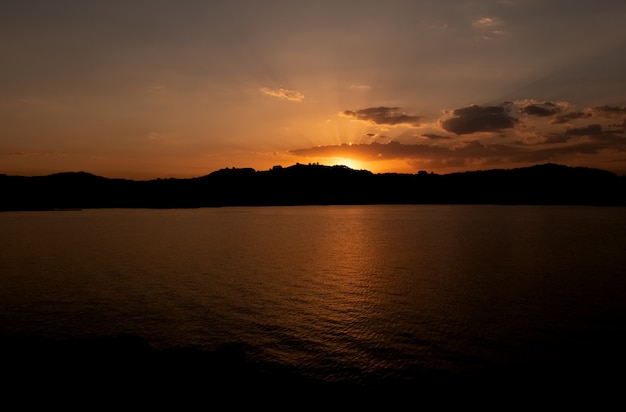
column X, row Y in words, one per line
column 146, row 89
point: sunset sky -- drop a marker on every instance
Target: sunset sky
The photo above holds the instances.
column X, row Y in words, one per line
column 146, row 89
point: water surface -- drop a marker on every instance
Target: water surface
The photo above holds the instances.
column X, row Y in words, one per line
column 335, row 292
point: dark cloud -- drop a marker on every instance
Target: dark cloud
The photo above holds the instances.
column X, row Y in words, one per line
column 475, row 152
column 610, row 141
column 434, row 156
column 567, row 117
column 395, row 150
column 584, row 131
column 550, row 138
column 541, row 110
column 619, row 127
column 475, row 118
column 609, row 111
column 528, row 131
column 556, row 138
column 383, row 115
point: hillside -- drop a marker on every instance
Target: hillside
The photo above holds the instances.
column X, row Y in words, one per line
column 300, row 184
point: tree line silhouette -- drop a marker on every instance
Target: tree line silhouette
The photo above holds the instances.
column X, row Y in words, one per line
column 314, row 184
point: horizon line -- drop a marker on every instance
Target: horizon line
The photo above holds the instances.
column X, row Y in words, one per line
column 278, row 167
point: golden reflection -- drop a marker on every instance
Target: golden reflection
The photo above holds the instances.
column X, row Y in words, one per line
column 346, row 265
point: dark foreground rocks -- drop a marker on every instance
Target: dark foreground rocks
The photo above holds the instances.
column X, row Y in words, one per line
column 123, row 359
column 124, row 371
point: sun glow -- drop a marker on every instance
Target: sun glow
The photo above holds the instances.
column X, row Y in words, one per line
column 345, row 161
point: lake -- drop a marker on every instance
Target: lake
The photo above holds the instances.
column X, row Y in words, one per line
column 336, row 293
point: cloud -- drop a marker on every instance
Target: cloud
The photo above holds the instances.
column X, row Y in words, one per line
column 286, row 94
column 585, row 131
column 567, row 117
column 457, row 156
column 370, row 151
column 498, row 135
column 476, row 118
column 470, row 153
column 486, row 22
column 542, row 110
column 390, row 116
column 489, row 26
column 555, row 138
column 535, row 110
column 434, row 136
column 609, row 111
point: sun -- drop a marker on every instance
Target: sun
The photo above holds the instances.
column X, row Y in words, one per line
column 346, row 161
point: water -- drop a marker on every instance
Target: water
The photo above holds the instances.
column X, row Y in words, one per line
column 339, row 293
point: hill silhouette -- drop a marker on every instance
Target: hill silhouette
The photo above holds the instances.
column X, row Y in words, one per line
column 314, row 184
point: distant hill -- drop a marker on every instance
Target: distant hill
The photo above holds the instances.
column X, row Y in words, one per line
column 313, row 184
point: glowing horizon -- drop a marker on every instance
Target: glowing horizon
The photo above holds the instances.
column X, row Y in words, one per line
column 188, row 89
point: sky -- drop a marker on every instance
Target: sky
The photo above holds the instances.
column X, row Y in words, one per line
column 145, row 89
